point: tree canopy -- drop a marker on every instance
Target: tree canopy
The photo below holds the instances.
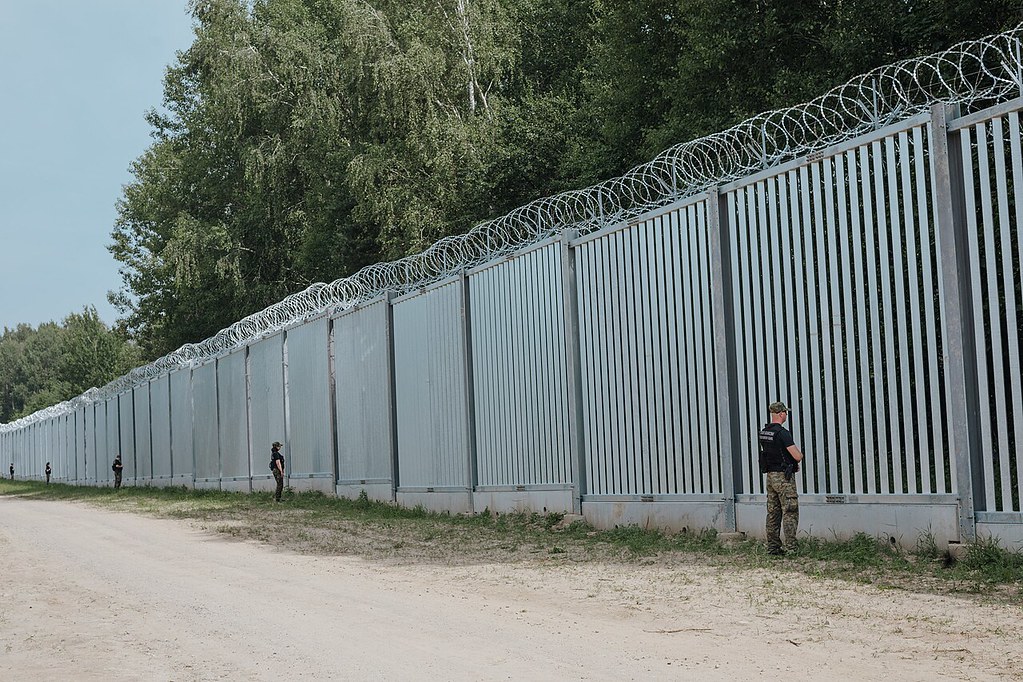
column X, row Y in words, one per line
column 300, row 140
column 44, row 365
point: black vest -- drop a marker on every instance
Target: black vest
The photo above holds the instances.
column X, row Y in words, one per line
column 773, row 456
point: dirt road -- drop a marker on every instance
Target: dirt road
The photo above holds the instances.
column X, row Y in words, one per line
column 87, row 594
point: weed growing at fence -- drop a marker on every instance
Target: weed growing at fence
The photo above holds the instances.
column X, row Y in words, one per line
column 315, row 523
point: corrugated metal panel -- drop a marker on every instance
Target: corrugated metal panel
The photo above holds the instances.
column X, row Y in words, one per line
column 80, row 441
column 266, row 400
column 103, row 456
column 160, row 426
column 647, row 358
column 126, row 415
column 993, row 175
column 89, row 475
column 233, row 419
column 182, row 444
column 205, row 424
column 363, row 393
column 430, row 388
column 60, row 435
column 835, row 300
column 113, row 434
column 143, row 435
column 519, row 371
column 310, row 449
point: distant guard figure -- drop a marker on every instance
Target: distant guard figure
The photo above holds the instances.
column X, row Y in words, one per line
column 118, row 468
column 48, row 472
column 277, row 467
column 779, row 459
column 12, row 471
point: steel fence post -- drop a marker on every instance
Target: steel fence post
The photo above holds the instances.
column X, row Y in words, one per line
column 959, row 355
column 573, row 364
column 724, row 351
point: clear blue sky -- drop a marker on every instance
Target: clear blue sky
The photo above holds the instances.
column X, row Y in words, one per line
column 76, row 78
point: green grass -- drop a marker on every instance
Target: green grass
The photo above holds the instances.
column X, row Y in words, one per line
column 317, row 523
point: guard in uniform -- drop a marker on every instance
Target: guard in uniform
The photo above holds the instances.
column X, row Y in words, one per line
column 779, row 459
column 277, row 467
column 48, row 472
column 118, row 469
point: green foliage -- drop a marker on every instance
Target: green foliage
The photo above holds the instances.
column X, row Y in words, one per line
column 304, row 139
column 43, row 366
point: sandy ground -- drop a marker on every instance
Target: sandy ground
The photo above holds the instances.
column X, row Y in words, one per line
column 87, row 594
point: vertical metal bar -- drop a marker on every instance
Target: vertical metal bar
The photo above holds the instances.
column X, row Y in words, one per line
column 736, row 226
column 873, row 195
column 694, row 450
column 928, row 295
column 1015, row 142
column 755, row 314
column 1010, row 381
column 809, row 359
column 1001, row 428
column 858, row 210
column 673, row 449
column 977, row 289
column 725, row 340
column 909, row 153
column 891, row 254
column 708, row 397
column 657, row 255
column 470, row 415
column 833, row 408
column 749, row 399
column 641, row 379
column 847, row 360
column 392, row 404
column 947, row 172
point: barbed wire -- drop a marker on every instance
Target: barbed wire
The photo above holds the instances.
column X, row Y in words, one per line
column 971, row 74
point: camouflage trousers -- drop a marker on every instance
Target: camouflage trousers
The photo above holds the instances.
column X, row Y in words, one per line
column 117, row 480
column 280, row 485
column 782, row 511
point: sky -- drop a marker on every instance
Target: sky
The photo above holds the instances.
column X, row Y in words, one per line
column 76, row 79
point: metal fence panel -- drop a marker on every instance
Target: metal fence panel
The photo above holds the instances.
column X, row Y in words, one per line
column 62, row 460
column 205, row 426
column 310, row 450
column 182, row 438
column 836, row 303
column 160, row 427
column 80, row 441
column 126, row 415
column 362, row 388
column 113, row 420
column 88, row 476
column 647, row 358
column 143, row 434
column 520, row 386
column 266, row 400
column 993, row 179
column 233, row 419
column 101, row 471
column 430, row 388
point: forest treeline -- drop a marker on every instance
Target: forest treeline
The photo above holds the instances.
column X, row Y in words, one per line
column 303, row 139
column 44, row 365
column 300, row 140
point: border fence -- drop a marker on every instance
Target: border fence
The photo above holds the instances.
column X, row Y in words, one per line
column 612, row 351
